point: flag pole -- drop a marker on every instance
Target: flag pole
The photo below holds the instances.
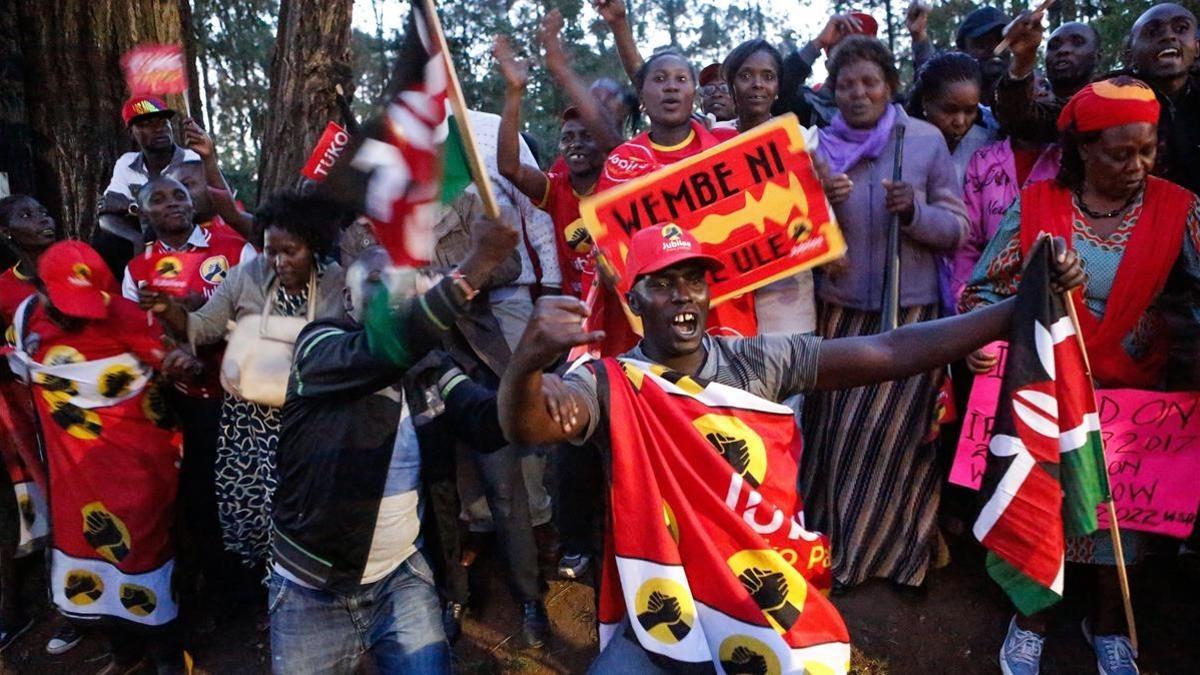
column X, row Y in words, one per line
column 1114, row 529
column 459, row 105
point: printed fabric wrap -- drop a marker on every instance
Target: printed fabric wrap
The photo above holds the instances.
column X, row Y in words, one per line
column 114, row 471
column 1145, row 266
column 706, row 550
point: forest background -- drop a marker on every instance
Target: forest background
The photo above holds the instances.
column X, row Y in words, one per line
column 263, row 71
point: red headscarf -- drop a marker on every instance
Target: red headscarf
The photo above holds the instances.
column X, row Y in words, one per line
column 1110, row 103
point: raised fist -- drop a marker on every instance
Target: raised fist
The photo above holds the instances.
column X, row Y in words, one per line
column 100, row 531
column 82, row 583
column 733, row 449
column 744, row 661
column 768, row 587
column 659, row 609
column 137, row 600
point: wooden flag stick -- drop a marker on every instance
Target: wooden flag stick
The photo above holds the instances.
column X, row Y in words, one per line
column 1114, row 529
column 1003, row 46
column 459, row 105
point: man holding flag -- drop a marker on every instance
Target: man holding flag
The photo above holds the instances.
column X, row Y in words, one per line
column 707, row 558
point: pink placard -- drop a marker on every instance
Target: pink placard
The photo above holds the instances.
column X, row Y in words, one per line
column 1151, row 444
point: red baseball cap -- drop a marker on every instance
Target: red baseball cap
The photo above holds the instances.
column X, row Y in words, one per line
column 77, row 280
column 139, row 107
column 656, row 248
column 710, row 73
column 571, row 113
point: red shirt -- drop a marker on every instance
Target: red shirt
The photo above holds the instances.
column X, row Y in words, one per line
column 571, row 238
column 199, row 267
column 639, row 155
column 14, row 288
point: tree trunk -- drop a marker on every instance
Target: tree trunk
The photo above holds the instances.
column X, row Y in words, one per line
column 74, row 91
column 312, row 54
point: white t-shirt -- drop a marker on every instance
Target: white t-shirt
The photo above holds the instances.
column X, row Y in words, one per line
column 130, row 173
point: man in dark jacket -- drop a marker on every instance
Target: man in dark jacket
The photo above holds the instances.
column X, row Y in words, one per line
column 1160, row 51
column 349, row 578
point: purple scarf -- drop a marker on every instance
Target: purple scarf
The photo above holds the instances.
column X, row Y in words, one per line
column 842, row 146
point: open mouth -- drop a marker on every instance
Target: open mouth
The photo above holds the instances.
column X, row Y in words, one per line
column 576, row 157
column 47, row 232
column 686, row 325
column 1168, row 53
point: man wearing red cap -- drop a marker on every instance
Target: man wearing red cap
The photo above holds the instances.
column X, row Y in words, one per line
column 148, row 120
column 112, row 456
column 715, row 101
column 669, row 291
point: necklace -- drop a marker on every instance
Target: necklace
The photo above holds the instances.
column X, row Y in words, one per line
column 1105, row 214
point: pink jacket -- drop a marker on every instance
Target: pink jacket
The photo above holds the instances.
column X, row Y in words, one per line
column 989, row 188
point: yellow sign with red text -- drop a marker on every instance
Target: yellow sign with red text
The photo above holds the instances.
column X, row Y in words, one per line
column 754, row 201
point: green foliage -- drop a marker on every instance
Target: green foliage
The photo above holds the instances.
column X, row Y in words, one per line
column 234, row 41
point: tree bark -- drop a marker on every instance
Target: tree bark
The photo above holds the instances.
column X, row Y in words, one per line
column 312, row 54
column 74, row 91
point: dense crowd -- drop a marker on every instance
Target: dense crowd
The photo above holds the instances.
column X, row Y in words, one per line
column 208, row 410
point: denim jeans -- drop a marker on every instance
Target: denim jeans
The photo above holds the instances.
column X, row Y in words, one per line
column 397, row 621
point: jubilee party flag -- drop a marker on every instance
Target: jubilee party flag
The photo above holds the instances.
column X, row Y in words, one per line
column 1045, row 471
column 407, row 160
column 708, row 564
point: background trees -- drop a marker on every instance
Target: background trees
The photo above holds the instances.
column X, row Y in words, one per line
column 265, row 69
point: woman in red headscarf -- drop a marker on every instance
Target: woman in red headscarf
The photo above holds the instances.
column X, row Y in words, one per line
column 1136, row 233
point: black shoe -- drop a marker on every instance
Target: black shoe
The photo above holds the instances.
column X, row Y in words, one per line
column 10, row 635
column 452, row 616
column 535, row 625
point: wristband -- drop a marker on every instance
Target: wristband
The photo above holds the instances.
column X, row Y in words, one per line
column 463, row 285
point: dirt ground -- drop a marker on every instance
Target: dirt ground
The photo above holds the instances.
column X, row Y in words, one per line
column 954, row 625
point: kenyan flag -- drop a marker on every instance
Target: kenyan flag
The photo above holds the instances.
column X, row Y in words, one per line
column 405, row 163
column 1045, row 469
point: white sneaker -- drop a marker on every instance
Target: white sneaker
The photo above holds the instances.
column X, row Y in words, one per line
column 1114, row 653
column 1021, row 653
column 66, row 639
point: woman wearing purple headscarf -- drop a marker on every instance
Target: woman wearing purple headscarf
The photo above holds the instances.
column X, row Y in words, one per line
column 869, row 480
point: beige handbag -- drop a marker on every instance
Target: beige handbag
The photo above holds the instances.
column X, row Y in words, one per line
column 258, row 356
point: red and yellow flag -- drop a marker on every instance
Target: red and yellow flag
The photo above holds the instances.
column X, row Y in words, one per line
column 706, row 551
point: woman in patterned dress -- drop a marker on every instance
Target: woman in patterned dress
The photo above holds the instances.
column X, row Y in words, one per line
column 299, row 236
column 1133, row 232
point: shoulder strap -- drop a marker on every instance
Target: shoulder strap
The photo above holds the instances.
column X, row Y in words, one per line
column 21, row 319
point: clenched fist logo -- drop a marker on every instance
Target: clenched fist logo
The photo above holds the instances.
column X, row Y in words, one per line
column 83, row 587
column 769, row 589
column 735, row 451
column 139, row 600
column 744, row 661
column 105, row 532
column 663, row 609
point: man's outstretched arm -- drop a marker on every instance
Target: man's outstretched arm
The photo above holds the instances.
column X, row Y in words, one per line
column 535, row 410
column 919, row 347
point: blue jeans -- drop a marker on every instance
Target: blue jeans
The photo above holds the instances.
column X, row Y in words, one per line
column 396, row 620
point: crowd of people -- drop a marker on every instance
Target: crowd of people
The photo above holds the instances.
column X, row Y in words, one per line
column 172, row 469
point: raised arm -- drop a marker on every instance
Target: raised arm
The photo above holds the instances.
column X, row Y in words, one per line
column 603, row 128
column 617, row 17
column 919, row 347
column 529, row 179
column 529, row 414
column 198, row 140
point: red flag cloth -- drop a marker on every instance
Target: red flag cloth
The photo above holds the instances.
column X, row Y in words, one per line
column 155, row 69
column 329, row 147
column 1047, row 206
column 19, row 443
column 113, row 464
column 706, row 551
